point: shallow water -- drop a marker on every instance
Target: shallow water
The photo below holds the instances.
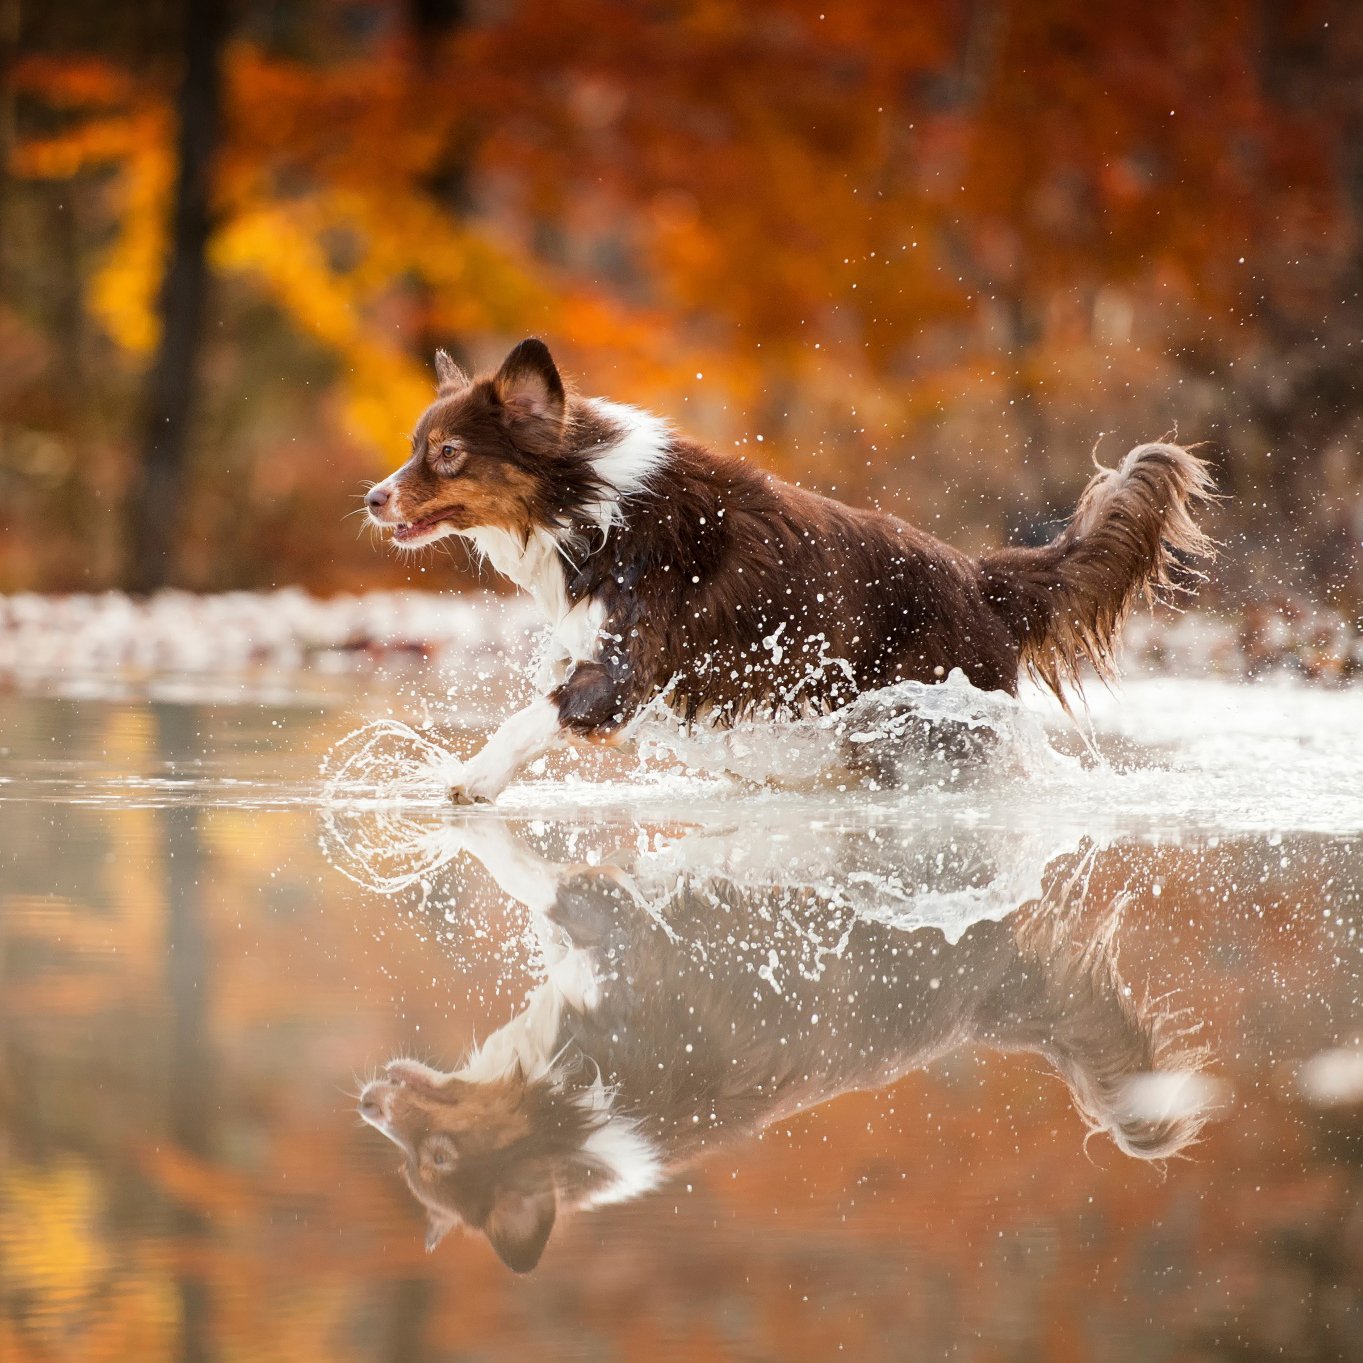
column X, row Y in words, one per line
column 872, row 1011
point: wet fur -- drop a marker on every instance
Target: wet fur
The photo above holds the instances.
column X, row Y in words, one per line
column 727, row 591
column 1064, row 603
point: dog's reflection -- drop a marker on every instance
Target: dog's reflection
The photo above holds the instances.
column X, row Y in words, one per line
column 667, row 1027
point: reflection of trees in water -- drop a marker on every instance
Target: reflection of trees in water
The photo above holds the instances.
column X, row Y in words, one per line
column 188, row 985
column 82, row 970
column 310, row 1237
column 194, row 1102
column 134, row 1148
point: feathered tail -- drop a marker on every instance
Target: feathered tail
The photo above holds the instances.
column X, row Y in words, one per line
column 1132, row 1066
column 1065, row 602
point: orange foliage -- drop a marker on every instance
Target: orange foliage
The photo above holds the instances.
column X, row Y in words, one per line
column 878, row 231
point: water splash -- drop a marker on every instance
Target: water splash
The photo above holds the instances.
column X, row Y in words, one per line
column 389, row 762
column 910, row 734
column 373, row 777
column 907, row 877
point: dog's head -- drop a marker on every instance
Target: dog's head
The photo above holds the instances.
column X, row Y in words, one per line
column 488, row 1154
column 488, row 453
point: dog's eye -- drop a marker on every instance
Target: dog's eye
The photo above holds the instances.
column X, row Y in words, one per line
column 440, row 1155
column 449, row 458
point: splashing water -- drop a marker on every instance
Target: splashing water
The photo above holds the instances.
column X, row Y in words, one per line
column 388, row 762
column 910, row 734
column 382, row 780
column 931, row 763
column 371, row 775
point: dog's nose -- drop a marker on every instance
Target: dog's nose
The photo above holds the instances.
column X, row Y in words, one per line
column 373, row 1104
column 376, row 497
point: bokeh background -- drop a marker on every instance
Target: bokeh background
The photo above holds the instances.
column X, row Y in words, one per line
column 925, row 253
column 920, row 252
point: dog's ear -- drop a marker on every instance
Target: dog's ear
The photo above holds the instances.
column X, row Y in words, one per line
column 528, row 383
column 452, row 379
column 437, row 1228
column 519, row 1226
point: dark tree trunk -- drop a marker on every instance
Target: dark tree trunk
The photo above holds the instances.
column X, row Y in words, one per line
column 435, row 18
column 157, row 490
column 10, row 23
column 412, row 1302
column 188, row 982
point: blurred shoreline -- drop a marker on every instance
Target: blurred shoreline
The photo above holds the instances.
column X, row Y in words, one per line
column 280, row 635
column 261, row 647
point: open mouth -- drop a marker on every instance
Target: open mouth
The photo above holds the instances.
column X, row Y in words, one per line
column 414, row 530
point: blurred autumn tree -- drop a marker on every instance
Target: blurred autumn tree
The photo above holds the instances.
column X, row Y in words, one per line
column 924, row 252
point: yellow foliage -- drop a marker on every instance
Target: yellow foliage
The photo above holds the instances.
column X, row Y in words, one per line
column 138, row 140
column 383, row 386
column 370, row 192
column 123, row 293
column 50, row 1242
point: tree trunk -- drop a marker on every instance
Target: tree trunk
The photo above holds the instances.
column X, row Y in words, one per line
column 10, row 25
column 189, row 979
column 156, row 492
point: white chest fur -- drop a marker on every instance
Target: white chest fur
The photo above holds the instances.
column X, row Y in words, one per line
column 534, row 566
column 625, row 464
column 537, row 567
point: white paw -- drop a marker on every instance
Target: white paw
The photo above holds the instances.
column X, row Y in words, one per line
column 471, row 787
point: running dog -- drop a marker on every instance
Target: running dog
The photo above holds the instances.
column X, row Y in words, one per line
column 666, row 568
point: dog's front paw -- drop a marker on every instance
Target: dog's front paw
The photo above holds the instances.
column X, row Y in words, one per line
column 470, row 786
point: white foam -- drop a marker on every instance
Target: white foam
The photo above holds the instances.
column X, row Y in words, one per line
column 1279, row 755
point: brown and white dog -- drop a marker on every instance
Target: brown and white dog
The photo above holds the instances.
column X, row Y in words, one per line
column 672, row 1025
column 668, row 569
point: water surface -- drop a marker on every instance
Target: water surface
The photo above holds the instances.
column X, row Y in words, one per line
column 867, row 1138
